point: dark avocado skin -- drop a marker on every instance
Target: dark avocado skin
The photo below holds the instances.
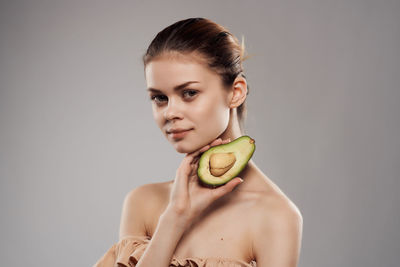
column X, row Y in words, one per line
column 240, row 141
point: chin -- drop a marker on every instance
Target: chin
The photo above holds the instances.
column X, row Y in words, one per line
column 187, row 145
column 183, row 149
column 184, row 146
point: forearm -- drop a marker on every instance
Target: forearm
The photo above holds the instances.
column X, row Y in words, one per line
column 162, row 245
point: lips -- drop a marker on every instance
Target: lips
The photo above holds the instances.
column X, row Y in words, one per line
column 178, row 133
column 177, row 130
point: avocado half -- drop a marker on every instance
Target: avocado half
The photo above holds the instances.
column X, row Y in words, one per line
column 220, row 164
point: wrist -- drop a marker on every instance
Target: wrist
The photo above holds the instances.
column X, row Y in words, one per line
column 175, row 217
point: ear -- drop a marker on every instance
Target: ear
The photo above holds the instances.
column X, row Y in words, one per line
column 239, row 91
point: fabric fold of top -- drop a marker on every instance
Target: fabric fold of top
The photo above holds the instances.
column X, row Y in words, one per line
column 127, row 252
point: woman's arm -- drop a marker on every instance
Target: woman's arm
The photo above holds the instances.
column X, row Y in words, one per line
column 139, row 208
column 169, row 230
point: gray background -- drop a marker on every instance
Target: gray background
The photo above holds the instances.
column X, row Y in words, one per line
column 77, row 133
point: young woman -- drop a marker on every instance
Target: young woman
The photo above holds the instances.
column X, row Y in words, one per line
column 195, row 80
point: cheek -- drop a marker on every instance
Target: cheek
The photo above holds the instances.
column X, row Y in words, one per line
column 212, row 113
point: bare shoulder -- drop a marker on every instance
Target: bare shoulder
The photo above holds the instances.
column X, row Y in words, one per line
column 274, row 207
column 151, row 197
column 152, row 190
column 278, row 221
column 141, row 208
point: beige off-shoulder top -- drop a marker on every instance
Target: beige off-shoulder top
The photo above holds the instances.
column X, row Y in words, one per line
column 127, row 252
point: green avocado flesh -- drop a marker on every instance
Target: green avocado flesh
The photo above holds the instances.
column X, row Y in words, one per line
column 220, row 164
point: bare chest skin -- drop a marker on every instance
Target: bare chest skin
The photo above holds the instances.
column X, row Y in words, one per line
column 222, row 231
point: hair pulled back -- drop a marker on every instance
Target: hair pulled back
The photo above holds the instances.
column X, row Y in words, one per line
column 214, row 43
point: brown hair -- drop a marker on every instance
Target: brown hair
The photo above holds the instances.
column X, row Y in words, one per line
column 213, row 42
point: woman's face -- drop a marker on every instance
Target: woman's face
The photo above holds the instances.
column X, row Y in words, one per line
column 185, row 94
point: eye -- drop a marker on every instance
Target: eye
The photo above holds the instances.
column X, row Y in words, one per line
column 156, row 98
column 190, row 93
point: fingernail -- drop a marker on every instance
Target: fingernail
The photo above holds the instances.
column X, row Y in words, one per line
column 241, row 180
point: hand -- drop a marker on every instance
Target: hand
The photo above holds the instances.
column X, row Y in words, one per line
column 188, row 197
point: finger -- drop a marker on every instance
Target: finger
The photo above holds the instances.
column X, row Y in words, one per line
column 226, row 140
column 183, row 172
column 194, row 167
column 205, row 148
column 220, row 141
column 201, row 150
column 228, row 187
column 216, row 141
column 191, row 156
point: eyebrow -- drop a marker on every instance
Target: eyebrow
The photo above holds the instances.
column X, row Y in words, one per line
column 176, row 88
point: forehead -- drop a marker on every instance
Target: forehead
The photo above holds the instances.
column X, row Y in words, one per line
column 167, row 71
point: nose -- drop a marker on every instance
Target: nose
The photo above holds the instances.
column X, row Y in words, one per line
column 172, row 111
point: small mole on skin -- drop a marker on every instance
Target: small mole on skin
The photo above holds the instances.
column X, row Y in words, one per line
column 222, row 238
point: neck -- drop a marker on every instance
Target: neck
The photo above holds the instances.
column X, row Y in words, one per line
column 233, row 130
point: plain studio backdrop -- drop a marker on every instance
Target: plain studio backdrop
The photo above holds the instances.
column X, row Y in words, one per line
column 77, row 132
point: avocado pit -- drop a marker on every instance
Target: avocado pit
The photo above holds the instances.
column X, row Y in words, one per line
column 220, row 163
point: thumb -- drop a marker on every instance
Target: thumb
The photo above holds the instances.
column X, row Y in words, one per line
column 228, row 187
